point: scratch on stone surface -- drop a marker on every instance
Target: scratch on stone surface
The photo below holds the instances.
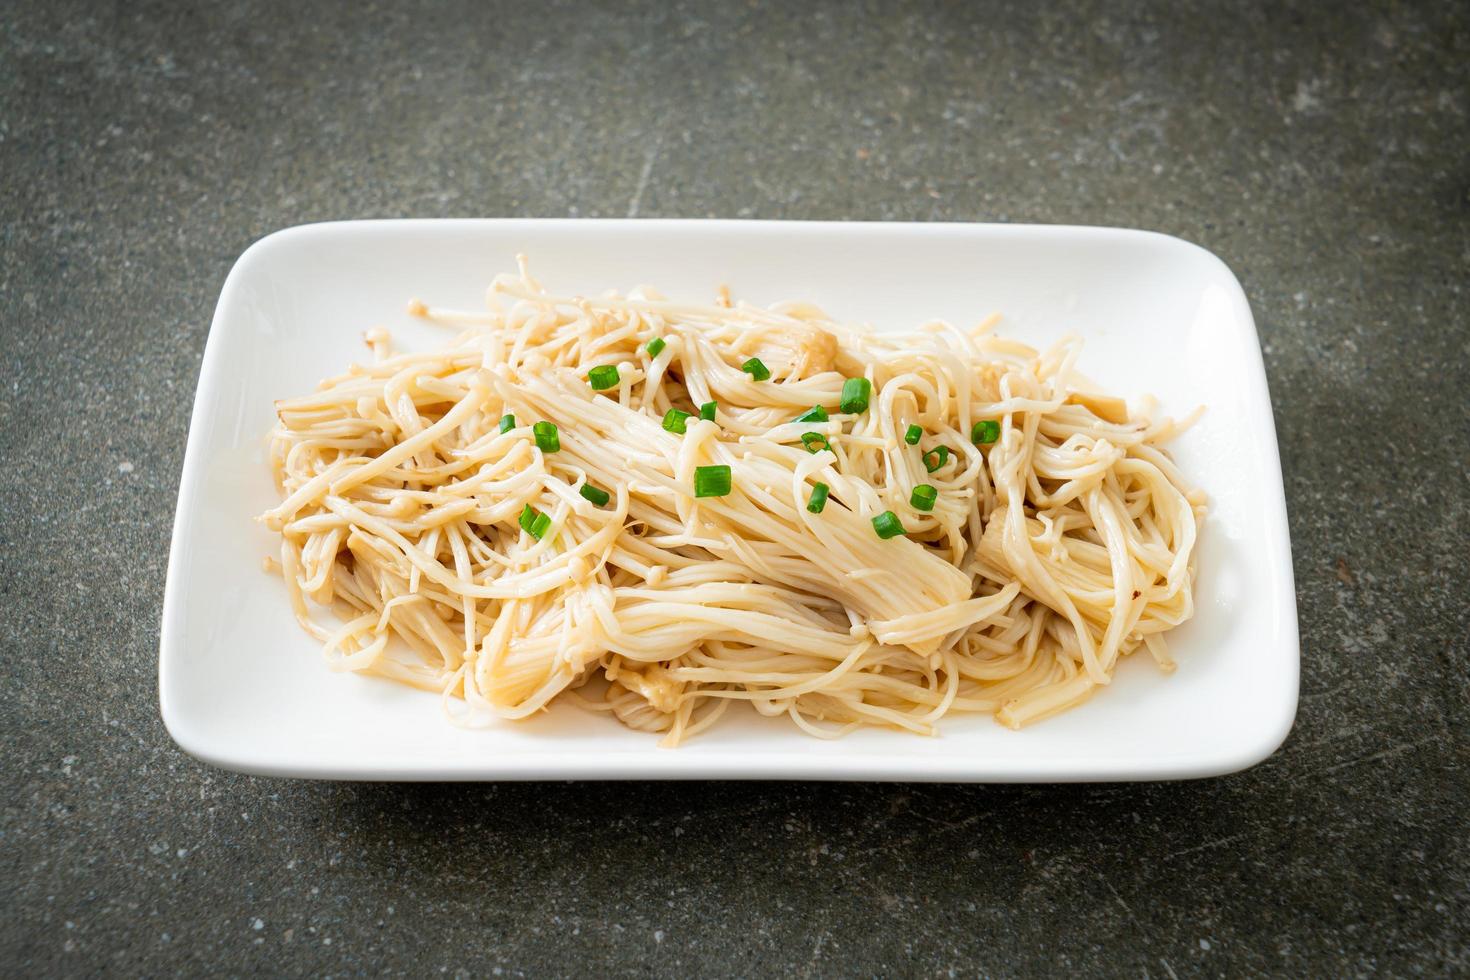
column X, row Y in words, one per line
column 811, row 964
column 1311, row 695
column 960, row 824
column 1169, row 968
column 643, row 181
column 1337, row 736
column 1217, row 842
column 1383, row 754
column 1126, row 909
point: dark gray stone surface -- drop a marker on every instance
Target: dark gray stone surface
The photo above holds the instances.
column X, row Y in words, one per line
column 1322, row 152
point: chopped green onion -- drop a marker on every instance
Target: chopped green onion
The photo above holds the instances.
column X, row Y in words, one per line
column 707, row 411
column 711, row 481
column 507, row 422
column 887, row 525
column 936, row 458
column 603, row 378
column 855, row 393
column 815, row 442
column 548, row 440
column 534, row 523
column 923, row 497
column 985, row 432
column 814, row 414
column 656, row 345
column 913, row 435
column 756, row 369
column 595, row 494
column 818, row 498
column 674, row 420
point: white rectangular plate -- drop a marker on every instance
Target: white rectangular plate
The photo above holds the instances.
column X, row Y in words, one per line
column 244, row 688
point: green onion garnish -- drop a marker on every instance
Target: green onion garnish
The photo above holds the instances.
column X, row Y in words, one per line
column 594, row 494
column 985, row 432
column 534, row 523
column 815, row 442
column 674, row 420
column 507, row 422
column 603, row 378
column 711, row 481
column 655, row 345
column 548, row 440
column 814, row 414
column 887, row 525
column 707, row 411
column 923, row 497
column 855, row 393
column 818, row 498
column 936, row 458
column 756, row 369
column 913, row 435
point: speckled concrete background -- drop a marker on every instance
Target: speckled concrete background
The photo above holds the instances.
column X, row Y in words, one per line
column 1320, row 152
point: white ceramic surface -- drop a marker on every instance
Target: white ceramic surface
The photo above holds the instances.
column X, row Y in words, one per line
column 242, row 687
